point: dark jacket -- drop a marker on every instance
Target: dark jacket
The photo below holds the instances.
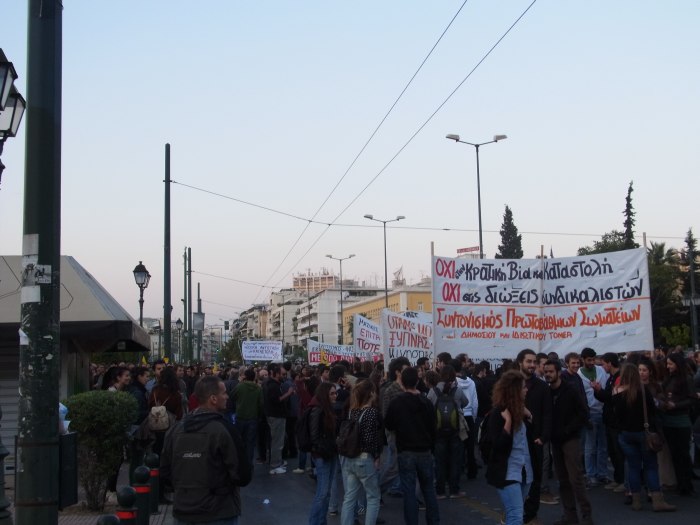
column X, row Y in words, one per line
column 604, row 395
column 249, row 400
column 631, row 417
column 322, row 441
column 200, row 461
column 272, row 390
column 569, row 413
column 138, row 390
column 539, row 402
column 412, row 417
column 502, row 444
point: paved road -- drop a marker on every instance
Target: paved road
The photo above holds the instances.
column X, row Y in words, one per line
column 286, row 499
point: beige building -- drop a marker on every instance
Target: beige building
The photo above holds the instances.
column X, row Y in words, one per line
column 416, row 298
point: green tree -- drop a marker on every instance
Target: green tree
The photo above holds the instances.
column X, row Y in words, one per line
column 691, row 280
column 616, row 240
column 676, row 335
column 664, row 285
column 511, row 246
column 629, row 214
column 231, row 352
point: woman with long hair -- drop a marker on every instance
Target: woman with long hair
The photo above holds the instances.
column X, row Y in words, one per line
column 509, row 468
column 628, row 400
column 322, row 430
column 449, row 448
column 362, row 472
column 679, row 395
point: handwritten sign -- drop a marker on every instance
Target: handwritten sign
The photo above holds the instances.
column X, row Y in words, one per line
column 495, row 308
column 367, row 335
column 262, row 350
column 326, row 353
column 406, row 336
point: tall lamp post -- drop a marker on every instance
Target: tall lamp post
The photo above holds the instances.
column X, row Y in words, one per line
column 340, row 260
column 178, row 325
column 12, row 104
column 496, row 138
column 386, row 270
column 141, row 276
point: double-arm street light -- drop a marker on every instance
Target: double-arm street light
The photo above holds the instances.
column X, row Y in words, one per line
column 496, row 138
column 12, row 104
column 340, row 260
column 386, row 271
column 141, row 276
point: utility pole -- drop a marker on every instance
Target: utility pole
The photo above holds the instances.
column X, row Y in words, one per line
column 190, row 341
column 186, row 316
column 167, row 300
column 37, row 483
column 199, row 311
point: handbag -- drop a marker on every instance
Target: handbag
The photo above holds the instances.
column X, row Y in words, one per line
column 158, row 419
column 463, row 426
column 654, row 440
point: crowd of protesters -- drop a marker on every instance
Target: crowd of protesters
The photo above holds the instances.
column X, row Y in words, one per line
column 535, row 424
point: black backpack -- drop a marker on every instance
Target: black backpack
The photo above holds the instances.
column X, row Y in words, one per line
column 303, row 431
column 245, row 469
column 446, row 413
column 349, row 440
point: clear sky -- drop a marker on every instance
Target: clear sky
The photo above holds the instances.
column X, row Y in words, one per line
column 269, row 102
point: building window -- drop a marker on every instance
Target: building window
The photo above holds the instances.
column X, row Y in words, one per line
column 420, row 306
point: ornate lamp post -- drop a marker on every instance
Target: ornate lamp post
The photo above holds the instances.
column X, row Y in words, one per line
column 178, row 325
column 12, row 104
column 496, row 138
column 141, row 276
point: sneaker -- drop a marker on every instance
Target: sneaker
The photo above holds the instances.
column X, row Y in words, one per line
column 278, row 470
column 548, row 499
column 592, row 483
column 298, row 471
column 620, row 488
column 610, row 486
column 333, row 513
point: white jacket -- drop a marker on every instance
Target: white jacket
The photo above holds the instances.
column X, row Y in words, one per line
column 469, row 388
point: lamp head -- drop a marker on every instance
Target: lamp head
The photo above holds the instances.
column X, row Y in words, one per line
column 452, row 136
column 141, row 275
column 178, row 324
column 496, row 138
column 399, row 217
column 351, row 256
column 369, row 216
column 329, row 256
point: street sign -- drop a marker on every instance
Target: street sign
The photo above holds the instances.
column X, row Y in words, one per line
column 469, row 249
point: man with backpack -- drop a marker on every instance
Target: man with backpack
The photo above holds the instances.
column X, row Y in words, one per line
column 204, row 460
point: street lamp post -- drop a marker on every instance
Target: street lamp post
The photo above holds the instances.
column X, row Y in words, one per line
column 141, row 276
column 386, row 270
column 496, row 138
column 340, row 260
column 12, row 104
column 178, row 325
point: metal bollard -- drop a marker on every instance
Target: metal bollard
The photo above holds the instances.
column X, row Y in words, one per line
column 126, row 512
column 142, row 486
column 152, row 461
column 108, row 519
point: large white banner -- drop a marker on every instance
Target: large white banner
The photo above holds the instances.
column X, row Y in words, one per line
column 327, row 353
column 262, row 351
column 367, row 335
column 495, row 308
column 405, row 335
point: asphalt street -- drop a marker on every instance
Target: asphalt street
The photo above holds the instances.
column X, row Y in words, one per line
column 286, row 499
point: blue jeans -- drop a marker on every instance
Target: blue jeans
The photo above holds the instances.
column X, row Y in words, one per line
column 360, row 472
column 596, row 449
column 226, row 521
column 336, row 496
column 388, row 474
column 325, row 470
column 448, row 463
column 513, row 500
column 412, row 466
column 638, row 456
column 249, row 433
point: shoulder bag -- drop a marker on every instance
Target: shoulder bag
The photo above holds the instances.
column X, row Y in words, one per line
column 654, row 440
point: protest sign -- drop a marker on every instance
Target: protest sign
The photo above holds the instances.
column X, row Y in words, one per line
column 367, row 336
column 406, row 336
column 327, row 353
column 495, row 308
column 262, row 351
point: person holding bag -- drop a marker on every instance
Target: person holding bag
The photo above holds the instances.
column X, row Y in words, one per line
column 633, row 406
column 362, row 471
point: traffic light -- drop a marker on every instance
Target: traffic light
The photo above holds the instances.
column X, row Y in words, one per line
column 226, row 325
